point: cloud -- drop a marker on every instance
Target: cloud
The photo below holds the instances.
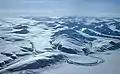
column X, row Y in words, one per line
column 61, row 7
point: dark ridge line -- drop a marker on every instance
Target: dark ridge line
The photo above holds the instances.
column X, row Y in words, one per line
column 109, row 36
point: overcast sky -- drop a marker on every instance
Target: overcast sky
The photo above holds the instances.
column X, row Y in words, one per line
column 60, row 7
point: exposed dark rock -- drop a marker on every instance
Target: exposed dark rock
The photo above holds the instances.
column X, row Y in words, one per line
column 23, row 31
column 25, row 49
column 7, row 54
column 40, row 63
column 27, row 72
column 86, row 51
column 111, row 42
column 20, row 27
column 68, row 50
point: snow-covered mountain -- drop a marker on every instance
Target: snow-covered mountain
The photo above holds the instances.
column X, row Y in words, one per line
column 31, row 43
